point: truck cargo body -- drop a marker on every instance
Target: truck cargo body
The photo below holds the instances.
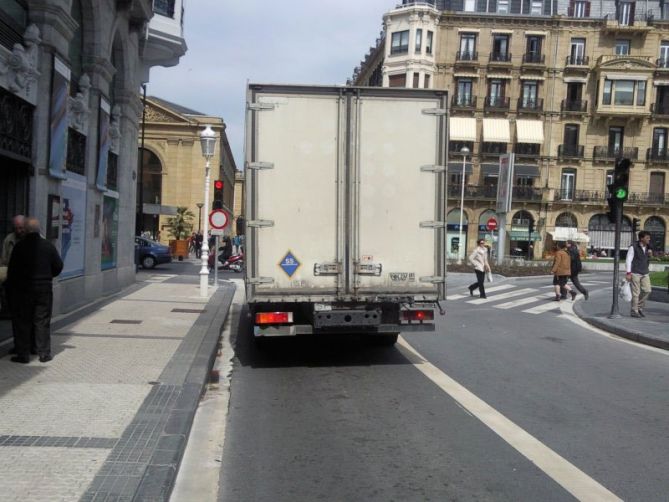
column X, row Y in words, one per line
column 345, row 193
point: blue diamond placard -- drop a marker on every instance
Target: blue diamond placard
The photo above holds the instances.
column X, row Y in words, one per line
column 289, row 264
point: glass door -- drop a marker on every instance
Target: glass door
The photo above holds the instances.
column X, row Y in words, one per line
column 577, row 52
column 615, row 141
column 567, row 184
column 464, row 92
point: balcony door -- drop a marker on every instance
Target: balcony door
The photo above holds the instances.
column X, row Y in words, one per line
column 626, row 13
column 464, row 92
column 664, row 54
column 467, row 46
column 500, row 47
column 656, row 187
column 567, row 184
column 496, row 92
column 571, row 135
column 533, row 48
column 577, row 50
column 529, row 99
column 659, row 140
column 616, row 140
column 662, row 98
column 574, row 92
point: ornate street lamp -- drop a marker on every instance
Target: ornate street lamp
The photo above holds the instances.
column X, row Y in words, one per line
column 461, row 248
column 208, row 144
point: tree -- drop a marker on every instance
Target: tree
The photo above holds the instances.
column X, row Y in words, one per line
column 180, row 226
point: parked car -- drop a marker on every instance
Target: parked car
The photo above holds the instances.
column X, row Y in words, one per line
column 151, row 253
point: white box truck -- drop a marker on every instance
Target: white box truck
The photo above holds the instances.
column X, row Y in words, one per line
column 345, row 207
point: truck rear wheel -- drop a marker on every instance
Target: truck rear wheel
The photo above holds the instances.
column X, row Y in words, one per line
column 384, row 340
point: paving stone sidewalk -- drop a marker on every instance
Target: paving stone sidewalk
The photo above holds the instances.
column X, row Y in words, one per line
column 109, row 417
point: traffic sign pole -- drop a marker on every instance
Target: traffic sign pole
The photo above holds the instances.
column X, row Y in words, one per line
column 615, row 310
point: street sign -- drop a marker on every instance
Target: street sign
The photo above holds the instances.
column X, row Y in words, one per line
column 218, row 219
column 491, row 224
column 216, row 231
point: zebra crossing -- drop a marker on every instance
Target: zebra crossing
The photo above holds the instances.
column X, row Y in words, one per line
column 518, row 297
column 156, row 278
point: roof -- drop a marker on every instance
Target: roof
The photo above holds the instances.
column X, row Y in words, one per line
column 174, row 107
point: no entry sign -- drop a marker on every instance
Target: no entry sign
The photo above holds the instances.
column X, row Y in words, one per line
column 218, row 219
column 491, row 224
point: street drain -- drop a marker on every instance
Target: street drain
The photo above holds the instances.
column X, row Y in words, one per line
column 189, row 311
column 125, row 321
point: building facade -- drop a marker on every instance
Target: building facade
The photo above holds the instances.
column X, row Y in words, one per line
column 566, row 86
column 70, row 71
column 173, row 169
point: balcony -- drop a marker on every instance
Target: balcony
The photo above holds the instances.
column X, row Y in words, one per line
column 642, row 61
column 659, row 109
column 574, row 106
column 657, row 156
column 466, row 102
column 580, row 196
column 527, row 149
column 532, row 194
column 662, row 63
column 532, row 59
column 497, row 103
column 530, row 105
column 455, row 147
column 577, row 61
column 467, row 57
column 568, row 151
column 500, row 58
column 651, row 199
column 493, row 148
column 627, row 24
column 489, row 192
column 609, row 154
column 164, row 43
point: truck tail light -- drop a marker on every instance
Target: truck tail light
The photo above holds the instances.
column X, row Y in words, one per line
column 419, row 315
column 274, row 318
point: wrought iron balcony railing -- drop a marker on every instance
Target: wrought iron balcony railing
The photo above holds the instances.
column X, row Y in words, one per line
column 497, row 102
column 568, row 151
column 527, row 149
column 577, row 60
column 579, row 195
column 574, row 105
column 467, row 56
column 659, row 108
column 657, row 155
column 662, row 62
column 493, row 148
column 489, row 192
column 530, row 105
column 466, row 101
column 610, row 153
column 527, row 193
column 653, row 199
column 500, row 57
column 532, row 58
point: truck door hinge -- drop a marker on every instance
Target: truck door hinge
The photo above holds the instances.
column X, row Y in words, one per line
column 433, row 169
column 260, row 165
column 369, row 269
column 432, row 224
column 327, row 268
column 435, row 111
column 257, row 107
column 260, row 223
column 261, row 280
column 433, row 279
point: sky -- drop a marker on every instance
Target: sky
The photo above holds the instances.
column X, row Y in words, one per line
column 290, row 42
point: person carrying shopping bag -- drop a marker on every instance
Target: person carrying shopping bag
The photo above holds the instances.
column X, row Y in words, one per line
column 479, row 260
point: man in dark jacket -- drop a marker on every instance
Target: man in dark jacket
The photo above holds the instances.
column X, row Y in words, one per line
column 576, row 268
column 33, row 265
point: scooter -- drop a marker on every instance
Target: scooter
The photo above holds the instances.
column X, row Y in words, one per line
column 234, row 262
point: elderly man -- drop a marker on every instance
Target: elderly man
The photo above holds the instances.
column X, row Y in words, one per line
column 11, row 239
column 33, row 265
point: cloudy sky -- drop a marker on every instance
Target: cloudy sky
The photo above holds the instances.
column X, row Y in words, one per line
column 290, row 41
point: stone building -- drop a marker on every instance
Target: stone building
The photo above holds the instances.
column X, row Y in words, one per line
column 568, row 86
column 173, row 168
column 70, row 71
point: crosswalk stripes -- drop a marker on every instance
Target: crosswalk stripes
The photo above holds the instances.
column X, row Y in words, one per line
column 155, row 278
column 491, row 289
column 540, row 309
column 523, row 301
column 509, row 294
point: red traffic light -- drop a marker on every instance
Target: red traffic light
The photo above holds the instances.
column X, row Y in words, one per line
column 218, row 185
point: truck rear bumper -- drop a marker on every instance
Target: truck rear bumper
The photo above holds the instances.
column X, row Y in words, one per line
column 306, row 329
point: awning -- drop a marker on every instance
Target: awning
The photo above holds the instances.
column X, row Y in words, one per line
column 498, row 75
column 528, row 171
column 568, row 234
column 576, row 80
column 529, row 131
column 624, row 76
column 519, row 235
column 462, row 129
column 466, row 75
column 455, row 167
column 490, row 170
column 496, row 131
column 532, row 77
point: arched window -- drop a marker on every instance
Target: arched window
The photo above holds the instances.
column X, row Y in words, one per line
column 566, row 220
column 600, row 222
column 454, row 217
column 76, row 49
column 657, row 228
column 13, row 22
column 522, row 219
column 152, row 177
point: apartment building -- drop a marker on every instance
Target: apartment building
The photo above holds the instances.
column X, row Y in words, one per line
column 567, row 86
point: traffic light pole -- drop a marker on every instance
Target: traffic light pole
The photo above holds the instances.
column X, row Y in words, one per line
column 615, row 311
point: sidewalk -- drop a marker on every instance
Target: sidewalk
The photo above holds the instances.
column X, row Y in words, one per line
column 109, row 417
column 652, row 330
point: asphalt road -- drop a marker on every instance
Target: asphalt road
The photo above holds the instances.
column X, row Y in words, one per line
column 510, row 401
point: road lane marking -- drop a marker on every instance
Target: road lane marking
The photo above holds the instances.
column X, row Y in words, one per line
column 523, row 301
column 503, row 296
column 567, row 475
column 540, row 309
column 492, row 288
column 455, row 297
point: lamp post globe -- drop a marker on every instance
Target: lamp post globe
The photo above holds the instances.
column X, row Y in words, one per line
column 461, row 248
column 208, row 143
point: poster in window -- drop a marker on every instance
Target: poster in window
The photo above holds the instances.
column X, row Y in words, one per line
column 104, row 143
column 53, row 218
column 109, row 232
column 73, row 228
column 58, row 119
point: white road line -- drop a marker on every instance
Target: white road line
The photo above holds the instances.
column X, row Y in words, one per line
column 567, row 475
column 540, row 309
column 495, row 298
column 455, row 297
column 492, row 288
column 523, row 301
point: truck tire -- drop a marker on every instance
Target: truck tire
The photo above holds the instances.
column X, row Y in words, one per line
column 384, row 340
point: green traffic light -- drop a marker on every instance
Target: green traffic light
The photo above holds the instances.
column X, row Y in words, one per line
column 621, row 193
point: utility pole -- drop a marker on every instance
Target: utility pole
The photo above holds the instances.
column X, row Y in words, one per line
column 618, row 193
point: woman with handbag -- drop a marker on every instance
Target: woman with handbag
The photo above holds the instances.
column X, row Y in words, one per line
column 479, row 260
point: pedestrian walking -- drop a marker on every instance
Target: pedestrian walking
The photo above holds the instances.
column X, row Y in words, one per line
column 561, row 271
column 479, row 260
column 638, row 274
column 33, row 265
column 198, row 245
column 576, row 268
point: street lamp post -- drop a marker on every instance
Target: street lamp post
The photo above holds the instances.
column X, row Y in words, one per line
column 199, row 216
column 208, row 144
column 464, row 151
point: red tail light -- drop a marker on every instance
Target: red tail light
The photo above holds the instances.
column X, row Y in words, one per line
column 418, row 315
column 274, row 317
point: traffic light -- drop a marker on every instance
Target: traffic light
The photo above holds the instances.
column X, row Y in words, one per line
column 613, row 205
column 218, row 195
column 619, row 188
column 636, row 226
column 240, row 226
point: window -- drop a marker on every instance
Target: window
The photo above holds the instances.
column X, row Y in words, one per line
column 608, row 178
column 579, row 8
column 416, row 80
column 426, row 82
column 397, row 80
column 577, row 51
column 534, row 45
column 503, row 6
column 567, row 184
column 13, row 22
column 664, row 50
column 500, row 48
column 622, row 47
column 626, row 13
column 623, row 92
column 571, row 134
column 467, row 46
column 537, row 7
column 659, row 139
column 529, row 95
column 496, row 92
column 419, row 40
column 428, row 43
column 400, row 42
column 464, row 96
column 616, row 138
column 524, row 181
column 470, row 5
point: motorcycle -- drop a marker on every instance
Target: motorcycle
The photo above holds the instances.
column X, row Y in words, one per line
column 233, row 262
